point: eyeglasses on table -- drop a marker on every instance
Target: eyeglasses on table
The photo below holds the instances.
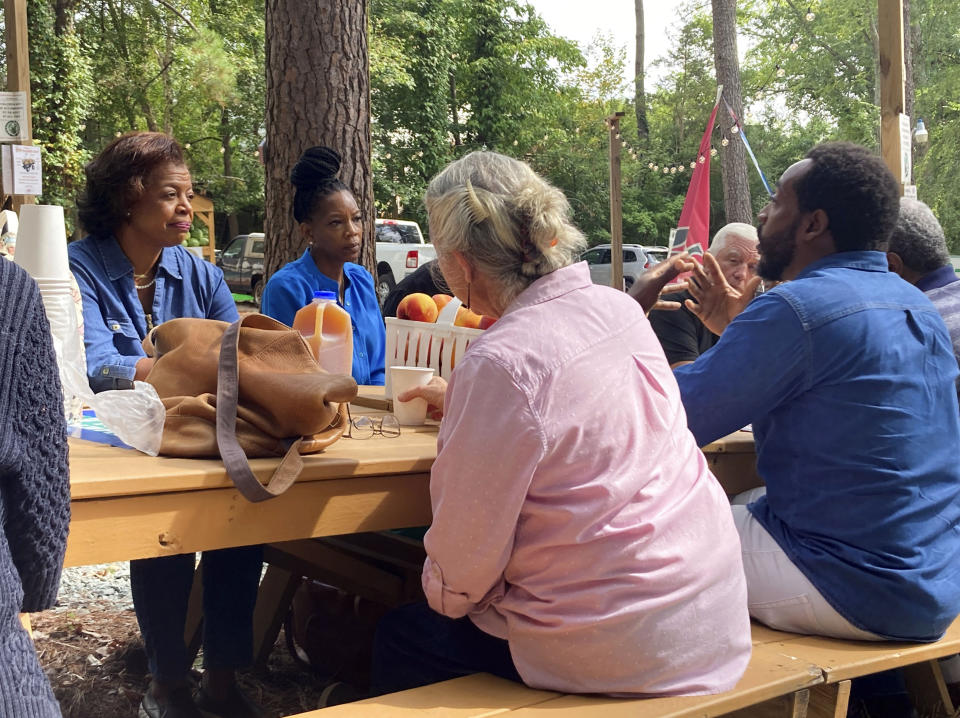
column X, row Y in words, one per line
column 363, row 427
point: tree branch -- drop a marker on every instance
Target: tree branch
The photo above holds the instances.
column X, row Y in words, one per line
column 179, row 14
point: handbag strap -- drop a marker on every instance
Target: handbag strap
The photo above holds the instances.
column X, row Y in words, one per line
column 234, row 459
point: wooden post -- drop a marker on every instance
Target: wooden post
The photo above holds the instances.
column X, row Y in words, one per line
column 616, row 204
column 18, row 67
column 892, row 88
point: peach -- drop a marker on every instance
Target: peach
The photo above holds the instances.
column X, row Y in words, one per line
column 486, row 321
column 441, row 300
column 419, row 307
column 467, row 318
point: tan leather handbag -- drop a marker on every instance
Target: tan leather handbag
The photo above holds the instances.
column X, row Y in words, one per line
column 248, row 389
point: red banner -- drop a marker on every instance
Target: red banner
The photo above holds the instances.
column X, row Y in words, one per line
column 695, row 217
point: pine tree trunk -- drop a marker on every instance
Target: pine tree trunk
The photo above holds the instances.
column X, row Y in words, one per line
column 643, row 128
column 318, row 92
column 736, row 185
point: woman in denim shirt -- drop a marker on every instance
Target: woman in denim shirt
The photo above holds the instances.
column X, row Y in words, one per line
column 133, row 275
column 331, row 223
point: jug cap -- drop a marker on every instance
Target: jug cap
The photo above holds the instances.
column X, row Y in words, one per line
column 330, row 296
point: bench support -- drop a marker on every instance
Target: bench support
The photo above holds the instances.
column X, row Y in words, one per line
column 927, row 689
column 792, row 705
column 829, row 700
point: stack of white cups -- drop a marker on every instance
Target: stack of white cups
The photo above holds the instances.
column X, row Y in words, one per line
column 42, row 251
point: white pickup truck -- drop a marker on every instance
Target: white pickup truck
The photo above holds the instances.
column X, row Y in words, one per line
column 400, row 251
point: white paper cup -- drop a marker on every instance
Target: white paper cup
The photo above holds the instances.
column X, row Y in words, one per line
column 402, row 378
column 42, row 242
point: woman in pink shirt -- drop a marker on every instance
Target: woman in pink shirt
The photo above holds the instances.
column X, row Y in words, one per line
column 579, row 543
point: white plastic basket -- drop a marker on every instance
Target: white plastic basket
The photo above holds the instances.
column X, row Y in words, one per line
column 438, row 345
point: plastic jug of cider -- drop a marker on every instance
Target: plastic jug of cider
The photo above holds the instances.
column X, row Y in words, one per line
column 327, row 329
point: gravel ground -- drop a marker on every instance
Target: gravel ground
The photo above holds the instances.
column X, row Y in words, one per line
column 105, row 586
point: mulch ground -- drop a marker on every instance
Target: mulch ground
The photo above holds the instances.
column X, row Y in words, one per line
column 96, row 664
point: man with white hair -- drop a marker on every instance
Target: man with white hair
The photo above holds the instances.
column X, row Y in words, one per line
column 918, row 253
column 682, row 335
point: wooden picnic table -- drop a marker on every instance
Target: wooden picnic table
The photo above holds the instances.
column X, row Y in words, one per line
column 128, row 505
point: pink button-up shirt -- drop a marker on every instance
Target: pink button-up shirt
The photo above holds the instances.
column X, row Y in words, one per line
column 573, row 514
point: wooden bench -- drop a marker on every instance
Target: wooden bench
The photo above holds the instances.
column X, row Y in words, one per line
column 769, row 676
column 789, row 675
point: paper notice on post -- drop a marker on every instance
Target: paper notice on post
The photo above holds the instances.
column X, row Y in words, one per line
column 906, row 150
column 13, row 117
column 27, row 170
column 6, row 164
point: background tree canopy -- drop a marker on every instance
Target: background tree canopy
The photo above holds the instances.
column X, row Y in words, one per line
column 452, row 76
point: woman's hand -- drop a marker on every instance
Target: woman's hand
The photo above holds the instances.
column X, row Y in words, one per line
column 433, row 391
column 714, row 301
column 651, row 284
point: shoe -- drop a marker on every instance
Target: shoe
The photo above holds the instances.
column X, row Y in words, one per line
column 236, row 705
column 178, row 704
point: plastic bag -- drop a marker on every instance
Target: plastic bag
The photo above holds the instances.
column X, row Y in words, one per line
column 136, row 416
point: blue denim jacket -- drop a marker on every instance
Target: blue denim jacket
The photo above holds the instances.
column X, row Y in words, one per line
column 292, row 288
column 114, row 321
column 847, row 375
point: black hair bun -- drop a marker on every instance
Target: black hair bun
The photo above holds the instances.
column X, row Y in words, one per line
column 315, row 167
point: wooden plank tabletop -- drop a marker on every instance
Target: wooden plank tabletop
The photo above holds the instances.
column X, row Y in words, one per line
column 128, row 505
column 99, row 471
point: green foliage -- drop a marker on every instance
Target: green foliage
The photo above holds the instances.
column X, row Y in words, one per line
column 451, row 76
column 61, row 97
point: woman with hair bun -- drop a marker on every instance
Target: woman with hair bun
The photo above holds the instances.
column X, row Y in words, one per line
column 331, row 222
column 579, row 542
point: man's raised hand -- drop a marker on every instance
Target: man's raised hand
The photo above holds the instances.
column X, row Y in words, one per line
column 714, row 301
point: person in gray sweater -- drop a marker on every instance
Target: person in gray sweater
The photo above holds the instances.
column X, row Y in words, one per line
column 34, row 490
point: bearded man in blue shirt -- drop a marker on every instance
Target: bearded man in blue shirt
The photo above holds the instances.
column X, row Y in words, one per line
column 847, row 374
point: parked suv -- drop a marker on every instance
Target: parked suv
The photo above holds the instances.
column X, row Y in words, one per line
column 635, row 262
column 242, row 264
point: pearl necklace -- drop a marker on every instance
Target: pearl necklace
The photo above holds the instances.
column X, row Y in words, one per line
column 145, row 286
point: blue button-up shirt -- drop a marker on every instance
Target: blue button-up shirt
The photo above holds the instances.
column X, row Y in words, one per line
column 847, row 375
column 291, row 288
column 114, row 321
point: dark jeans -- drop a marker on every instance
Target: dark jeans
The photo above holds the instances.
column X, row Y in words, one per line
column 161, row 589
column 415, row 646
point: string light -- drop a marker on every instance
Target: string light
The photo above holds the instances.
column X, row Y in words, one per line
column 780, row 71
column 186, row 146
column 713, row 151
column 666, row 170
column 734, row 130
column 387, row 156
column 794, row 45
column 724, row 142
column 809, row 16
column 673, row 170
